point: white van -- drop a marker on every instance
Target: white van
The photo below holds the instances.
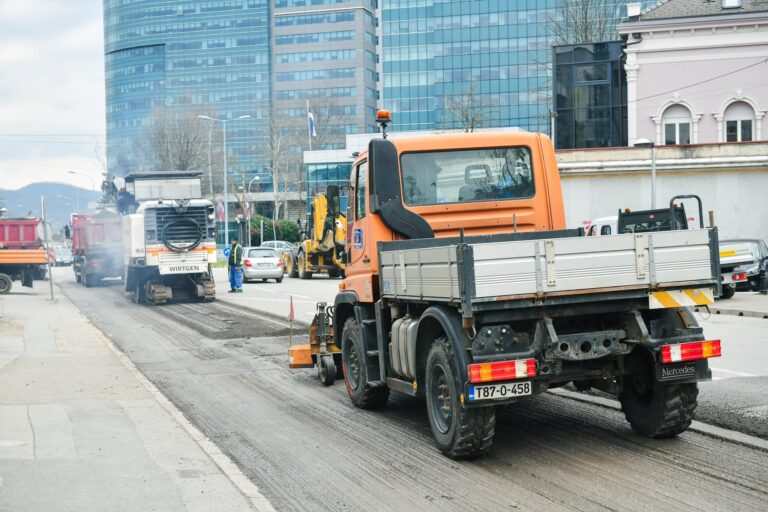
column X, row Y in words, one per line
column 603, row 226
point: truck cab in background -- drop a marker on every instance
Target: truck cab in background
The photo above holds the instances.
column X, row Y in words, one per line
column 169, row 236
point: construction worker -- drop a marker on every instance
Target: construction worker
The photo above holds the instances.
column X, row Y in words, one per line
column 235, row 267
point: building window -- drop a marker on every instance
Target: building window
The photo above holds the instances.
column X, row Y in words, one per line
column 677, row 125
column 739, row 120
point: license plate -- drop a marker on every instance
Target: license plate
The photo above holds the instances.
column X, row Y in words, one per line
column 264, row 265
column 500, row 391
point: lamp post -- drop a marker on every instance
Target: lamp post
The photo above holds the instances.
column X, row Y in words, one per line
column 645, row 143
column 93, row 183
column 226, row 170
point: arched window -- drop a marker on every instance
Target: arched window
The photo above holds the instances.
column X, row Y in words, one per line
column 739, row 121
column 677, row 125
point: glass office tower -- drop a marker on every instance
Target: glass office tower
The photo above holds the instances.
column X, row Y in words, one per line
column 207, row 57
column 442, row 57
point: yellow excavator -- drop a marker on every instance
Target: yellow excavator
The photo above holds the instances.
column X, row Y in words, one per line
column 322, row 250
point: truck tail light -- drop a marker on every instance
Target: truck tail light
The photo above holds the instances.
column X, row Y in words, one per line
column 502, row 370
column 690, row 351
column 739, row 277
column 247, row 263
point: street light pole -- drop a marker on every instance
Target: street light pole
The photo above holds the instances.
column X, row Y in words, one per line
column 226, row 170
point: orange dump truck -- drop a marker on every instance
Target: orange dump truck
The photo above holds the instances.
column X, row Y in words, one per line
column 21, row 253
column 463, row 286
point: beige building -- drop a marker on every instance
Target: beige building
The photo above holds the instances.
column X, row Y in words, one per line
column 697, row 72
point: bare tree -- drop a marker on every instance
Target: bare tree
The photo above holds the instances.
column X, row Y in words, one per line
column 584, row 21
column 466, row 109
column 178, row 140
column 281, row 148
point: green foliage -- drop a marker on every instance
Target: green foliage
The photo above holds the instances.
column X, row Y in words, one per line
column 286, row 230
column 269, row 229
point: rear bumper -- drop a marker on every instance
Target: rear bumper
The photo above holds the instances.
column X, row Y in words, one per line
column 262, row 273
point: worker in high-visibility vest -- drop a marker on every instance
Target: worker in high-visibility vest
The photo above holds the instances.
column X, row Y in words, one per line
column 235, row 267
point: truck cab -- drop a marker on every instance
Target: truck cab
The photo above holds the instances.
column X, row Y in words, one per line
column 486, row 184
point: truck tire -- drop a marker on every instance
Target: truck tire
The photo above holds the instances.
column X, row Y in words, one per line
column 656, row 409
column 301, row 263
column 460, row 433
column 360, row 392
column 729, row 290
column 6, row 283
column 87, row 280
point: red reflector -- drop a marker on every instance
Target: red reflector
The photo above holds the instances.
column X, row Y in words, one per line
column 502, row 370
column 739, row 277
column 690, row 351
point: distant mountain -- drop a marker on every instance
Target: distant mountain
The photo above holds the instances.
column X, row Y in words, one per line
column 61, row 200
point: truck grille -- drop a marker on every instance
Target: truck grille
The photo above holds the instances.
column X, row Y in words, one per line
column 179, row 229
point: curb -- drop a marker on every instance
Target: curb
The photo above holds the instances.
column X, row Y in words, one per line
column 734, row 312
column 696, row 426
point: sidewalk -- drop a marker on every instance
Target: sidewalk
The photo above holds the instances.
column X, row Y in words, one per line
column 82, row 430
column 751, row 304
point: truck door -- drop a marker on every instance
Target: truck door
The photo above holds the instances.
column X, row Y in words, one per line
column 359, row 224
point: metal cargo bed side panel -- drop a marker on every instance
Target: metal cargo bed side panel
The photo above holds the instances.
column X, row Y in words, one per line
column 424, row 273
column 590, row 263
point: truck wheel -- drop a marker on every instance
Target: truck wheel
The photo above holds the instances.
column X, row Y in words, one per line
column 355, row 372
column 6, row 283
column 326, row 370
column 301, row 262
column 728, row 291
column 291, row 268
column 87, row 280
column 654, row 409
column 460, row 433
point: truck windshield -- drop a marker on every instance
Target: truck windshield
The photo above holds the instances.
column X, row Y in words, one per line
column 470, row 175
column 178, row 188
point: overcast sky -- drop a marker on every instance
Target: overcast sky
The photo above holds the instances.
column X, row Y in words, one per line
column 51, row 91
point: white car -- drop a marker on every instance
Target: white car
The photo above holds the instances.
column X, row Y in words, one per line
column 603, row 226
column 262, row 263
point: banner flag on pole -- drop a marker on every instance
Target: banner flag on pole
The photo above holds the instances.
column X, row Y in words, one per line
column 311, row 120
column 291, row 316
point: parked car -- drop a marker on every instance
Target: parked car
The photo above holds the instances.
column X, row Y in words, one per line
column 760, row 252
column 279, row 245
column 262, row 263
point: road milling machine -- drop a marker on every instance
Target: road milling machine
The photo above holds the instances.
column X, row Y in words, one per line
column 169, row 237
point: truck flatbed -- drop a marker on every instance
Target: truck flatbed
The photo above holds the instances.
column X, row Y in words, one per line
column 543, row 267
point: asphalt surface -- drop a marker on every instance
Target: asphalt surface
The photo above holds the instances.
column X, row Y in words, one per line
column 307, row 448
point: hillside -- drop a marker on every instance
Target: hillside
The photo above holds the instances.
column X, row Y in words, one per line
column 61, row 201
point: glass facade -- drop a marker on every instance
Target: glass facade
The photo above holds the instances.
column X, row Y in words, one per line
column 590, row 90
column 193, row 55
column 319, row 176
column 442, row 57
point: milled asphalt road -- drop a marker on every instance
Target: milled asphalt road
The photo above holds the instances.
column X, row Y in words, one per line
column 307, row 448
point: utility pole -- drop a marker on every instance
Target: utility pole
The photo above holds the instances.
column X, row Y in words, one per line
column 46, row 243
